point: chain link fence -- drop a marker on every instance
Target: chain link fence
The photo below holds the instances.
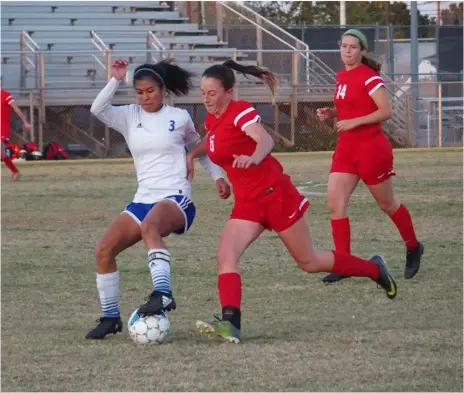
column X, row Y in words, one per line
column 440, row 114
column 440, row 121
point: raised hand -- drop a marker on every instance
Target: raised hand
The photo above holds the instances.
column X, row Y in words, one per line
column 119, row 69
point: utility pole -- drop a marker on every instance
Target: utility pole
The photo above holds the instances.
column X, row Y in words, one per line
column 414, row 67
column 342, row 13
column 387, row 13
column 438, row 14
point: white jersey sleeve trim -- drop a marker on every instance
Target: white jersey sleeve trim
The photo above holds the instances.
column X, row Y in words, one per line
column 374, row 89
column 241, row 114
column 373, row 78
column 115, row 117
column 249, row 123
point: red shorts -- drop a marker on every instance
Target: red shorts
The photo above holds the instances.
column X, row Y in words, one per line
column 277, row 210
column 370, row 159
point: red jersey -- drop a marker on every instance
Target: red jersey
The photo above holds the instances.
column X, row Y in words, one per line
column 352, row 98
column 226, row 137
column 5, row 114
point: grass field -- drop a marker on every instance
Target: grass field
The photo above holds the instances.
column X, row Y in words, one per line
column 298, row 334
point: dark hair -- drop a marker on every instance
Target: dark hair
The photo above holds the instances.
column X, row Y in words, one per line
column 223, row 73
column 371, row 63
column 174, row 78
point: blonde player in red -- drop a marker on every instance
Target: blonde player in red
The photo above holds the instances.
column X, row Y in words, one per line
column 363, row 151
column 265, row 198
column 7, row 104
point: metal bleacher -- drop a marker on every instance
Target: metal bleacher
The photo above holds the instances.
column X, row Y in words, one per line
column 56, row 55
column 74, row 40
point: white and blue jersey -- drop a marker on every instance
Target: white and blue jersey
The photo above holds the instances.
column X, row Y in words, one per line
column 158, row 142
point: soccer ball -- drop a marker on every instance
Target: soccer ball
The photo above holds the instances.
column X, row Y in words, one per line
column 153, row 329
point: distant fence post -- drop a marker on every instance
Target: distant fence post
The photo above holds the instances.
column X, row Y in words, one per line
column 259, row 42
column 236, row 92
column 149, row 40
column 108, row 77
column 440, row 115
column 414, row 66
column 219, row 22
column 22, row 47
column 295, row 83
column 390, row 51
column 108, row 65
column 31, row 115
column 377, row 40
column 42, row 115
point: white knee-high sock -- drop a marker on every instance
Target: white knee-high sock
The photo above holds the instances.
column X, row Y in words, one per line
column 108, row 290
column 159, row 262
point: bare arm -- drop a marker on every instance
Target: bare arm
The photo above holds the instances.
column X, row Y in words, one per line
column 198, row 150
column 264, row 145
column 264, row 142
column 380, row 97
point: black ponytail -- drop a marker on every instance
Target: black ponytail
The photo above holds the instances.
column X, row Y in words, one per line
column 175, row 79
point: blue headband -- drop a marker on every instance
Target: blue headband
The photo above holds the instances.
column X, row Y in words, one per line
column 153, row 72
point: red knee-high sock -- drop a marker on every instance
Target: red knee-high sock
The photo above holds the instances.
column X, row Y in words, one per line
column 230, row 290
column 403, row 222
column 351, row 266
column 341, row 234
column 9, row 164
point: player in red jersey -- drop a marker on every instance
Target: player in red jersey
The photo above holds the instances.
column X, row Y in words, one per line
column 265, row 198
column 7, row 103
column 363, row 151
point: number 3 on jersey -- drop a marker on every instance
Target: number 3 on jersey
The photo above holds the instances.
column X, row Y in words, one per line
column 172, row 125
column 341, row 91
column 211, row 142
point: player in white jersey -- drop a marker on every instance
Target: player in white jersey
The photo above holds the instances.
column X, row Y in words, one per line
column 157, row 136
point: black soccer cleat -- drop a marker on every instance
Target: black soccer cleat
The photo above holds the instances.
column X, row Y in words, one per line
column 413, row 261
column 157, row 303
column 332, row 278
column 386, row 279
column 106, row 325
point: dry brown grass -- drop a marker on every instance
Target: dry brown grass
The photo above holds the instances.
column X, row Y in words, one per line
column 299, row 335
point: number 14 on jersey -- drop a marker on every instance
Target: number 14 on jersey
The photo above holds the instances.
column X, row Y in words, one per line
column 341, row 91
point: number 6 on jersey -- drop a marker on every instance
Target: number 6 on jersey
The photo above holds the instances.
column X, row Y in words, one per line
column 211, row 142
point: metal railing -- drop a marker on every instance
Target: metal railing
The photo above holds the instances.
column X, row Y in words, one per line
column 263, row 26
column 314, row 70
column 28, row 64
column 154, row 43
column 104, row 51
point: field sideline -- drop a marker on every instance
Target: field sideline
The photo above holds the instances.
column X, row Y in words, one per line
column 298, row 334
column 294, row 154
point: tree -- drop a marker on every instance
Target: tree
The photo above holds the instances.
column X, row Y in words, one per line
column 328, row 13
column 452, row 15
column 282, row 12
